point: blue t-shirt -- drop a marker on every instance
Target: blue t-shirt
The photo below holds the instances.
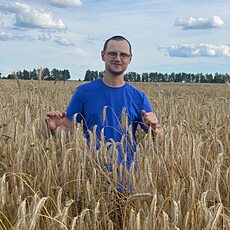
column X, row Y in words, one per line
column 103, row 106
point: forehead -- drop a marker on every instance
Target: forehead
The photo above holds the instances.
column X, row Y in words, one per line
column 121, row 46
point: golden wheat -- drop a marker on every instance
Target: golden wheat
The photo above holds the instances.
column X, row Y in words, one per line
column 182, row 181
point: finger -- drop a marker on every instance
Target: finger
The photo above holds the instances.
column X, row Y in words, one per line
column 159, row 131
column 54, row 114
column 47, row 120
column 149, row 114
column 49, row 114
column 143, row 113
column 63, row 114
column 58, row 113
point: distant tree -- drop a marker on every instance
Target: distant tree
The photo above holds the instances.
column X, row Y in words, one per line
column 192, row 77
column 92, row 75
column 209, row 78
column 10, row 76
column 227, row 78
column 87, row 75
column 184, row 77
column 144, row 77
column 55, row 74
column 197, row 77
column 95, row 75
column 19, row 74
column 129, row 77
column 160, row 77
column 33, row 74
column 166, row 77
column 101, row 74
column 202, row 78
column 45, row 73
column 65, row 75
column 26, row 74
column 134, row 77
column 219, row 78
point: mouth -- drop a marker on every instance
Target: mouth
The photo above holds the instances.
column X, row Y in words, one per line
column 116, row 64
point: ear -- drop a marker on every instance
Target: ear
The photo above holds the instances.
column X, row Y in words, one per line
column 103, row 55
column 130, row 59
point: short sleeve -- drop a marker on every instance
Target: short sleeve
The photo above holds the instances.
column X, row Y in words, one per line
column 75, row 106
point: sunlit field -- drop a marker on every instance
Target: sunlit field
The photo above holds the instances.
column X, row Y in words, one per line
column 182, row 180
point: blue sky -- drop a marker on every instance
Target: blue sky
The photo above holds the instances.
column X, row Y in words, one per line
column 167, row 35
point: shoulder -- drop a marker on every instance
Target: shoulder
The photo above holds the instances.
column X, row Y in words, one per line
column 141, row 99
column 89, row 85
column 134, row 91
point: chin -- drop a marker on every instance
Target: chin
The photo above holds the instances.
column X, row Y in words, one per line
column 117, row 72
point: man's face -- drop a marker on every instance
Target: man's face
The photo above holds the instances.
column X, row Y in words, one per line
column 116, row 57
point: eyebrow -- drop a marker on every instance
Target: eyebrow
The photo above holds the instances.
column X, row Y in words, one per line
column 123, row 52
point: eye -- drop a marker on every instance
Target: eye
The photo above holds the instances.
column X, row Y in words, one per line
column 112, row 54
column 124, row 55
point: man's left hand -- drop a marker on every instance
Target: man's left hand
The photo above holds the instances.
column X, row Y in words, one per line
column 150, row 119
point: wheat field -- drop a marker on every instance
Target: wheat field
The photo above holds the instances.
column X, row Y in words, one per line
column 182, row 180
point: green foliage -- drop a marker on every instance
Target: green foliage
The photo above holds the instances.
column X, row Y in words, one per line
column 159, row 77
column 42, row 74
column 90, row 75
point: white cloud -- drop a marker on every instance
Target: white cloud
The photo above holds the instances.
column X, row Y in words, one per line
column 65, row 3
column 201, row 50
column 2, row 26
column 5, row 36
column 199, row 23
column 92, row 39
column 44, row 37
column 62, row 41
column 28, row 16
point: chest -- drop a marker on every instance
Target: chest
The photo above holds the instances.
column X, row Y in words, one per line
column 111, row 104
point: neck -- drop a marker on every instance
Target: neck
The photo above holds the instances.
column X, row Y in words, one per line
column 113, row 80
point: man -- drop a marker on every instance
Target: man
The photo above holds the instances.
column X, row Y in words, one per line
column 102, row 104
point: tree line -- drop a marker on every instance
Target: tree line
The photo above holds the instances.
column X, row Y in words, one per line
column 159, row 77
column 90, row 75
column 40, row 74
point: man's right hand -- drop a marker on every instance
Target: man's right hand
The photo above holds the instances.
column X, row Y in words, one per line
column 55, row 119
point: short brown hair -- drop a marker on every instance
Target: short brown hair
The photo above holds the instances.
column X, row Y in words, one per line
column 117, row 38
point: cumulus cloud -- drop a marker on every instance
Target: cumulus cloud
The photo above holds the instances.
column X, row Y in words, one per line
column 28, row 16
column 201, row 50
column 2, row 26
column 62, row 41
column 92, row 39
column 199, row 23
column 44, row 37
column 6, row 36
column 65, row 3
